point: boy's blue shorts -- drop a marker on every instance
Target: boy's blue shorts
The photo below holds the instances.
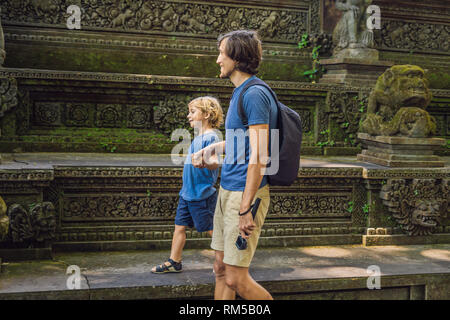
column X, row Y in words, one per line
column 198, row 214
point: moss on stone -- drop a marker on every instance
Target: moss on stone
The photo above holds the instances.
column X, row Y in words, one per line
column 140, row 62
column 439, row 80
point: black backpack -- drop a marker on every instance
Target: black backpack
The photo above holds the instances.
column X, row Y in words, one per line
column 290, row 125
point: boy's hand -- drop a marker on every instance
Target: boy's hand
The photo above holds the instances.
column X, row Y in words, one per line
column 197, row 159
column 204, row 159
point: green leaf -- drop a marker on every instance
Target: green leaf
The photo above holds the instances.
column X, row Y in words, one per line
column 309, row 72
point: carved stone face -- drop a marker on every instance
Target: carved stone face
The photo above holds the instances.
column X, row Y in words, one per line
column 407, row 86
column 426, row 213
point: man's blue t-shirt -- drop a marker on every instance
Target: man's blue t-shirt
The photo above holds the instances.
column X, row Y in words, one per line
column 260, row 108
column 198, row 184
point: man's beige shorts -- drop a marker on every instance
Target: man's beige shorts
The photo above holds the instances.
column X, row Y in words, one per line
column 226, row 226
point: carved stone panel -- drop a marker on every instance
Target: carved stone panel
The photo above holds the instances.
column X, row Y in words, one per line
column 47, row 114
column 36, row 225
column 8, row 95
column 109, row 115
column 307, row 119
column 418, row 205
column 79, row 115
column 139, row 116
column 172, row 112
column 182, row 17
column 317, row 205
column 118, row 207
column 414, row 36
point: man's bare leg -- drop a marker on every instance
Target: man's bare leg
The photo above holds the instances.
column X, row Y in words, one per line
column 221, row 291
column 238, row 279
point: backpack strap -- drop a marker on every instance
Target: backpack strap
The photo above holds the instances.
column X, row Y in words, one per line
column 241, row 110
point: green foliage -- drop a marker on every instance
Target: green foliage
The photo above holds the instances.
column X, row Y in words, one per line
column 350, row 206
column 315, row 52
column 362, row 106
column 315, row 73
column 304, row 42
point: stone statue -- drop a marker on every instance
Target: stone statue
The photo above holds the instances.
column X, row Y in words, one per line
column 2, row 42
column 351, row 32
column 4, row 220
column 397, row 105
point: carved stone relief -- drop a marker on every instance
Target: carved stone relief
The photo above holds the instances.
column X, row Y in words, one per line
column 347, row 110
column 313, row 205
column 8, row 95
column 91, row 115
column 417, row 205
column 117, row 207
column 171, row 113
column 167, row 16
column 36, row 225
column 307, row 121
column 414, row 36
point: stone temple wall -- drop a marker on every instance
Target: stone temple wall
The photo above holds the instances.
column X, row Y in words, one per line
column 121, row 84
column 61, row 112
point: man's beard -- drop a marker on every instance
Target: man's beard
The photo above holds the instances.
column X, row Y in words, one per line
column 228, row 75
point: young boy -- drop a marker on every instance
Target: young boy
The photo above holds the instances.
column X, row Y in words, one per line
column 197, row 196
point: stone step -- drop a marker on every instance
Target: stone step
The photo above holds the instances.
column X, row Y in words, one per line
column 327, row 272
column 204, row 243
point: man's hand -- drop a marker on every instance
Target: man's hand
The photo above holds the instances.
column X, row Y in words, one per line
column 246, row 225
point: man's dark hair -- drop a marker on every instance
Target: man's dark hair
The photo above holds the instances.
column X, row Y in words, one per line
column 243, row 46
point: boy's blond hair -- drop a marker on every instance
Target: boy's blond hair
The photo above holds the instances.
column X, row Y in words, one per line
column 209, row 105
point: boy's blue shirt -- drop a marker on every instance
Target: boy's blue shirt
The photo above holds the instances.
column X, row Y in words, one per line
column 260, row 108
column 198, row 184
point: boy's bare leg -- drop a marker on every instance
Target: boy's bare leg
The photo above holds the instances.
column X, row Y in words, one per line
column 221, row 291
column 178, row 242
column 238, row 279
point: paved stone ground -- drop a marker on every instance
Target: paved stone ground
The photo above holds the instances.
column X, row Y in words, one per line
column 132, row 269
column 43, row 160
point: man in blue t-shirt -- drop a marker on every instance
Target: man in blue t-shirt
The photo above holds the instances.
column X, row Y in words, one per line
column 243, row 177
